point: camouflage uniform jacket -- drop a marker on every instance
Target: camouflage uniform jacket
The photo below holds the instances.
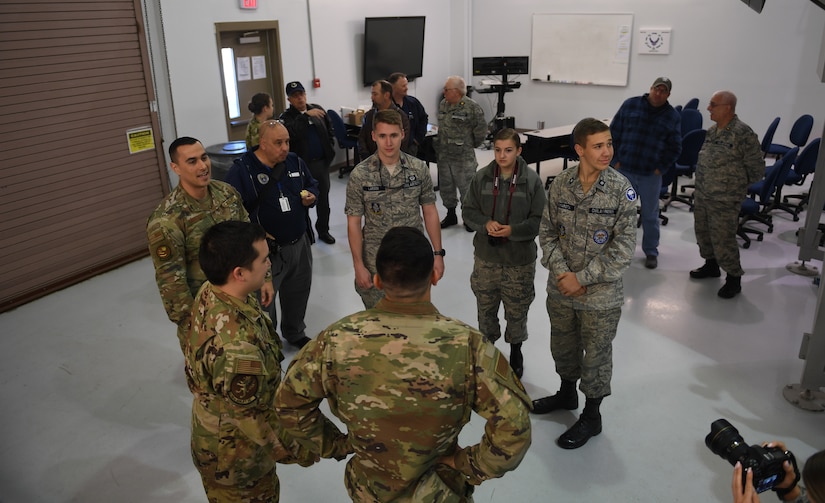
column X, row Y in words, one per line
column 461, row 128
column 730, row 160
column 528, row 202
column 233, row 365
column 387, row 201
column 593, row 235
column 253, row 134
column 174, row 231
column 404, row 379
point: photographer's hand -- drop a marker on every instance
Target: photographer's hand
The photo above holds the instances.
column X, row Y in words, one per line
column 746, row 494
column 790, row 473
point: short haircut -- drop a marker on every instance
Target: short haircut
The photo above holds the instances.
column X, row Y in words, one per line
column 228, row 245
column 183, row 140
column 404, row 261
column 587, row 127
column 395, row 77
column 389, row 116
column 814, row 475
column 508, row 134
column 386, row 87
column 459, row 83
column 258, row 102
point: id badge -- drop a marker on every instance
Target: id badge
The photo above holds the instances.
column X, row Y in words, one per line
column 284, row 204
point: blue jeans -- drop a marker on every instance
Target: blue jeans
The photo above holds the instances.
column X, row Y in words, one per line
column 648, row 187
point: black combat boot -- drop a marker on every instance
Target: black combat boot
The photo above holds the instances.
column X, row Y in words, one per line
column 517, row 359
column 566, row 398
column 588, row 425
column 731, row 288
column 450, row 220
column 709, row 270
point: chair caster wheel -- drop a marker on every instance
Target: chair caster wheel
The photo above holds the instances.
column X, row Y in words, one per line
column 746, row 245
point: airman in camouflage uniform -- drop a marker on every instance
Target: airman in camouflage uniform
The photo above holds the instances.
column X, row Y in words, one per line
column 386, row 190
column 404, row 379
column 505, row 242
column 587, row 236
column 461, row 128
column 175, row 228
column 233, row 365
column 729, row 161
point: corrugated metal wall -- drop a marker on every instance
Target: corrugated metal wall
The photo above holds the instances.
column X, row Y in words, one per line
column 74, row 77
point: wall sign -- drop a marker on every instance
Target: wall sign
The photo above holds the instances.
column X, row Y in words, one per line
column 249, row 4
column 654, row 40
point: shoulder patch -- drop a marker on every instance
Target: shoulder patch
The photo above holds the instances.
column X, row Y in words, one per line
column 630, row 194
column 163, row 253
column 244, row 388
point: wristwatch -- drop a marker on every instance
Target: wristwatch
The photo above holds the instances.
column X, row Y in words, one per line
column 442, row 252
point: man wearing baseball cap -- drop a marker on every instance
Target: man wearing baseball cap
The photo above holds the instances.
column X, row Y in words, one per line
column 311, row 138
column 647, row 140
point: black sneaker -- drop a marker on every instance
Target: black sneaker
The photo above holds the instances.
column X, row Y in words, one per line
column 300, row 343
column 651, row 262
column 326, row 237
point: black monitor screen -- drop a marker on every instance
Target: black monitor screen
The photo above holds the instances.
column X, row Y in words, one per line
column 393, row 44
column 511, row 65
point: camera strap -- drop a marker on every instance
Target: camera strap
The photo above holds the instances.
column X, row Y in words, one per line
column 496, row 184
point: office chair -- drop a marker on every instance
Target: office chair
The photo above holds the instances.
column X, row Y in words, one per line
column 768, row 138
column 686, row 166
column 691, row 120
column 692, row 104
column 749, row 208
column 345, row 141
column 804, row 165
column 767, row 191
column 800, row 131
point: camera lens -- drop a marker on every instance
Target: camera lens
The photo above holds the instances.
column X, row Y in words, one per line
column 724, row 441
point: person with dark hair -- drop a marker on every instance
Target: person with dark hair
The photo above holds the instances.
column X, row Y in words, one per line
column 381, row 100
column 386, row 190
column 262, row 109
column 277, row 191
column 730, row 160
column 311, row 137
column 461, row 128
column 412, row 107
column 587, row 236
column 404, row 379
column 647, row 140
column 813, row 474
column 233, row 366
column 504, row 205
column 175, row 228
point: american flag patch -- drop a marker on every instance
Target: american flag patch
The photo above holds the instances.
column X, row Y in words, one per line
column 249, row 367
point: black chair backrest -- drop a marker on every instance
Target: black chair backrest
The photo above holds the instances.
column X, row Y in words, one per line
column 691, row 120
column 691, row 145
column 776, row 174
column 768, row 138
column 801, row 130
column 806, row 162
column 693, row 103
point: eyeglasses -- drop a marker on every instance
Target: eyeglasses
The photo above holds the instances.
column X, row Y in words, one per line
column 450, row 89
column 714, row 105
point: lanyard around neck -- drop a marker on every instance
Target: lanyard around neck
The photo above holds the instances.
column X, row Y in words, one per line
column 496, row 184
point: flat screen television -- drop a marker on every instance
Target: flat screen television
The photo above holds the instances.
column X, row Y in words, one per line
column 393, row 44
column 498, row 65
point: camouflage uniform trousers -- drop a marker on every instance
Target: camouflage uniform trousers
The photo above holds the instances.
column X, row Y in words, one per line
column 513, row 285
column 267, row 489
column 456, row 167
column 440, row 484
column 369, row 296
column 715, row 224
column 581, row 342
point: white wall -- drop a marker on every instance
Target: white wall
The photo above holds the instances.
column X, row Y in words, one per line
column 337, row 41
column 769, row 60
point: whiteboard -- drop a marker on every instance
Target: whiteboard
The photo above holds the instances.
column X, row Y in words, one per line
column 590, row 49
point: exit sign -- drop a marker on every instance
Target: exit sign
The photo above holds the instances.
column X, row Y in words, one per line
column 249, row 4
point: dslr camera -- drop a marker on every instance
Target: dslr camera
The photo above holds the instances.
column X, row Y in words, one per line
column 765, row 462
